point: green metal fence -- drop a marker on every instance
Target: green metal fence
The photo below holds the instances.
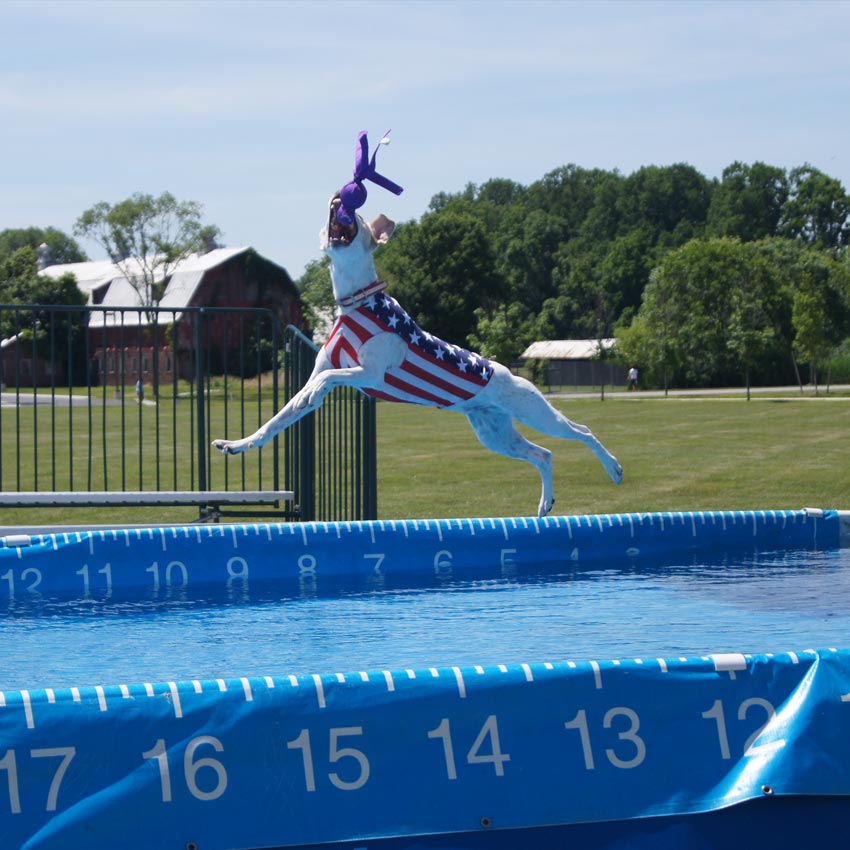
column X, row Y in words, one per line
column 129, row 399
column 330, row 454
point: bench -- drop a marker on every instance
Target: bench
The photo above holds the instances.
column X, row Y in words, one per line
column 212, row 504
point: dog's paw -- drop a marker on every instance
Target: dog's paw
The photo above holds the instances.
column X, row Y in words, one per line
column 228, row 447
column 545, row 506
column 616, row 473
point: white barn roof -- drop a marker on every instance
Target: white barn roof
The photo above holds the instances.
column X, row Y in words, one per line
column 185, row 278
column 90, row 276
column 567, row 349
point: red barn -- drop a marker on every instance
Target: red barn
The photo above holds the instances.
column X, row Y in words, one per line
column 123, row 341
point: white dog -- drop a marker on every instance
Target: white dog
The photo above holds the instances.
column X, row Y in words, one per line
column 378, row 348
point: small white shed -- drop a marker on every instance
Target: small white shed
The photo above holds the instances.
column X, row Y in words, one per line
column 576, row 362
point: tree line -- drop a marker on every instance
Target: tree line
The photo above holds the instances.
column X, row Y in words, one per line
column 704, row 282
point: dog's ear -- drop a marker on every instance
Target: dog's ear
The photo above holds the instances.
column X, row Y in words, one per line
column 382, row 228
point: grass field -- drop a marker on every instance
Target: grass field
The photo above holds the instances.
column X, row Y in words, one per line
column 115, row 448
column 677, row 453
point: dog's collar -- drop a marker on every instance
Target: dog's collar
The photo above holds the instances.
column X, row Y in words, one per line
column 362, row 294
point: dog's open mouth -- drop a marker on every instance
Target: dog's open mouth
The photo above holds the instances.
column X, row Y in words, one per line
column 339, row 233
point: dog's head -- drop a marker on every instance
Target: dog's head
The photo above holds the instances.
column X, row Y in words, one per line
column 359, row 236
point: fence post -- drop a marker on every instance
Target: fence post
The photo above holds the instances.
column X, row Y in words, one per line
column 306, row 460
column 370, row 458
column 201, row 396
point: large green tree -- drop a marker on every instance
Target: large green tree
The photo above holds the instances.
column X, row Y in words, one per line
column 672, row 199
column 599, row 275
column 570, row 193
column 820, row 309
column 441, row 269
column 524, row 246
column 146, row 237
column 755, row 297
column 749, row 202
column 579, row 306
column 650, row 341
column 703, row 319
column 818, row 210
column 40, row 325
column 20, row 282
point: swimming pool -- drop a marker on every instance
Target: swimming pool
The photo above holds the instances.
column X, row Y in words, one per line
column 625, row 680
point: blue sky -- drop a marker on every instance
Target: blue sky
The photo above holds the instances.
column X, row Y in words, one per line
column 253, row 108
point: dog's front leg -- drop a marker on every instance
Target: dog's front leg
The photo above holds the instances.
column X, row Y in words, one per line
column 294, row 409
column 377, row 356
column 298, row 406
column 306, row 400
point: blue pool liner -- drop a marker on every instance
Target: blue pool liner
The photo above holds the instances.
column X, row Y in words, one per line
column 78, row 562
column 598, row 753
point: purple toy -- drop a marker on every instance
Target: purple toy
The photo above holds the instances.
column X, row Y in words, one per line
column 353, row 194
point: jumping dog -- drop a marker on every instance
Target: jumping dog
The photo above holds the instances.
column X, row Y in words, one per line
column 378, row 348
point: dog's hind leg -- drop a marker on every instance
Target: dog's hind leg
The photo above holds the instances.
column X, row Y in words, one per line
column 525, row 403
column 496, row 431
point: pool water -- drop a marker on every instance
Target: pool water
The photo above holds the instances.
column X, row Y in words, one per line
column 758, row 603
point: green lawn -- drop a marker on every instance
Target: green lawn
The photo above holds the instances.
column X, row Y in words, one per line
column 115, row 447
column 678, row 454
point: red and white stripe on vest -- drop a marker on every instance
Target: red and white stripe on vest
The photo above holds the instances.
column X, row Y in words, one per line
column 433, row 372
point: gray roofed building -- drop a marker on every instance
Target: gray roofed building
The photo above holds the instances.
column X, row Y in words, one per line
column 567, row 349
column 577, row 362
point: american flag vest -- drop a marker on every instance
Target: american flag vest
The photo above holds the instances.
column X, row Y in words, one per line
column 433, row 372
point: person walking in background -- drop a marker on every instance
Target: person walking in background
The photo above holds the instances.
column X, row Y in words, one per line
column 140, row 391
column 633, row 378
